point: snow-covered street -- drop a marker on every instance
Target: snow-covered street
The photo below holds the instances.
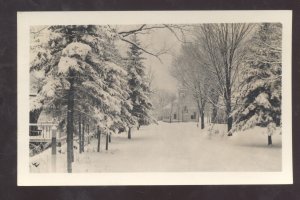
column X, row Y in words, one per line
column 174, row 147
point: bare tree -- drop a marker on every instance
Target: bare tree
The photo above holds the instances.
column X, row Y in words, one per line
column 189, row 70
column 178, row 31
column 223, row 47
column 208, row 82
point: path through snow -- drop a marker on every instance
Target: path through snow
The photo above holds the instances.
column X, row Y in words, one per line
column 178, row 147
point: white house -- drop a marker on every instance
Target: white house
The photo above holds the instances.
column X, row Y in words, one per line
column 183, row 109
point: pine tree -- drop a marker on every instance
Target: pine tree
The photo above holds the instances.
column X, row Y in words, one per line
column 39, row 57
column 139, row 88
column 83, row 75
column 262, row 87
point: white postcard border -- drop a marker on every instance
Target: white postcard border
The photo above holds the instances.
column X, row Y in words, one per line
column 27, row 19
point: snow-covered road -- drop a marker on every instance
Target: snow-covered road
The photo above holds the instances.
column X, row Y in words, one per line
column 179, row 147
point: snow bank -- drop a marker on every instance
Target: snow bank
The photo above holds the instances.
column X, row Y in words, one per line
column 175, row 147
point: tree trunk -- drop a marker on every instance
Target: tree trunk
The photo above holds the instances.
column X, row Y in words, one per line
column 109, row 138
column 83, row 137
column 269, row 140
column 79, row 132
column 70, row 120
column 214, row 114
column 106, row 143
column 201, row 113
column 138, row 128
column 88, row 132
column 72, row 144
column 202, row 119
column 228, row 113
column 99, row 136
column 228, row 103
column 129, row 133
column 229, row 124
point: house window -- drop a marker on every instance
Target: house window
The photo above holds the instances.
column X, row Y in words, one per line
column 175, row 116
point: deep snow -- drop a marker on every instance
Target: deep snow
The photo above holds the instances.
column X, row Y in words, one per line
column 174, row 147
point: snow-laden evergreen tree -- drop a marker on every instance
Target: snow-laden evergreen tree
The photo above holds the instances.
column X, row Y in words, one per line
column 83, row 76
column 119, row 82
column 261, row 103
column 138, row 85
column 39, row 56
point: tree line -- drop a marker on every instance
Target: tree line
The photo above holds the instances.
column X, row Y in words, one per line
column 235, row 68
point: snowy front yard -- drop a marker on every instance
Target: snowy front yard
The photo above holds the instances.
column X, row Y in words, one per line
column 175, row 147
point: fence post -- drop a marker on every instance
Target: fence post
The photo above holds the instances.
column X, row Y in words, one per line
column 83, row 136
column 79, row 133
column 53, row 132
column 88, row 132
column 129, row 133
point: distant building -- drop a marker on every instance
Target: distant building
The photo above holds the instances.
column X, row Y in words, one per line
column 183, row 109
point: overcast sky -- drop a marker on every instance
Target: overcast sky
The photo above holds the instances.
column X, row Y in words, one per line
column 161, row 39
column 154, row 42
